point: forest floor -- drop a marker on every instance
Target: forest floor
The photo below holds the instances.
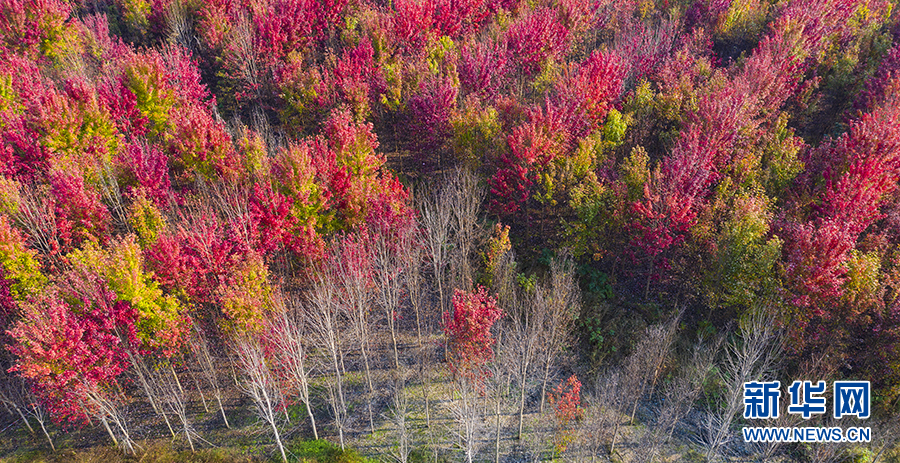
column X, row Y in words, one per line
column 433, row 436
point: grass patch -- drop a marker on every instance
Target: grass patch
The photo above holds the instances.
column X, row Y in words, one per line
column 159, row 453
column 322, row 451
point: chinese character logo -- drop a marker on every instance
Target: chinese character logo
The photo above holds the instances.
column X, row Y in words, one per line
column 811, row 403
column 851, row 398
column 761, row 399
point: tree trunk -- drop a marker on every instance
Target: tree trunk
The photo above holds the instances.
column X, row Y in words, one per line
column 371, row 386
column 522, row 400
column 199, row 389
column 271, row 413
column 546, row 380
column 222, row 408
column 43, row 428
column 497, row 425
column 109, row 430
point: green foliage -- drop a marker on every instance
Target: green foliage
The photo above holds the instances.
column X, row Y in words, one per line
column 253, row 155
column 860, row 455
column 614, row 128
column 594, row 205
column 635, row 172
column 527, row 283
column 439, row 51
column 595, row 282
column 862, row 285
column 83, row 128
column 322, row 451
column 744, row 261
column 549, row 75
column 160, row 317
column 135, row 14
column 8, row 95
column 146, row 220
column 154, row 97
column 477, row 133
column 497, row 246
column 780, row 158
column 743, row 19
column 247, row 296
column 19, row 263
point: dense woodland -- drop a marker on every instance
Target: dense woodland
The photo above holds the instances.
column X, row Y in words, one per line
column 446, row 230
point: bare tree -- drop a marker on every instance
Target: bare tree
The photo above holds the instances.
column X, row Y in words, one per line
column 108, row 185
column 560, row 303
column 816, row 366
column 207, row 363
column 259, row 384
column 749, row 358
column 290, row 345
column 464, row 195
column 524, row 336
column 604, row 407
column 412, row 255
column 642, row 368
column 387, row 272
column 151, row 386
column 886, row 435
column 174, row 400
column 351, row 269
column 679, row 397
column 105, row 408
column 399, row 417
column 35, row 215
column 468, row 417
column 325, row 323
column 244, row 40
column 540, row 439
column 500, row 370
column 17, row 398
column 435, row 213
column 180, row 28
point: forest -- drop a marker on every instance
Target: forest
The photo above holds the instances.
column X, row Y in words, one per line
column 445, row 230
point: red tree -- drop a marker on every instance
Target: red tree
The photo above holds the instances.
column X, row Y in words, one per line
column 468, row 331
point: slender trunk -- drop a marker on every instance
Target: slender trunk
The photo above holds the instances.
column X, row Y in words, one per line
column 145, row 384
column 467, row 423
column 24, row 419
column 422, row 367
column 312, row 420
column 126, row 438
column 371, row 387
column 522, row 401
column 177, row 381
column 168, row 424
column 343, row 369
column 271, row 413
column 636, row 400
column 187, row 433
column 394, row 341
column 497, row 426
column 47, row 434
column 425, row 385
column 222, row 408
column 234, row 374
column 338, row 413
column 109, row 430
column 437, row 276
column 304, row 390
column 199, row 389
column 546, row 380
column 612, row 445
